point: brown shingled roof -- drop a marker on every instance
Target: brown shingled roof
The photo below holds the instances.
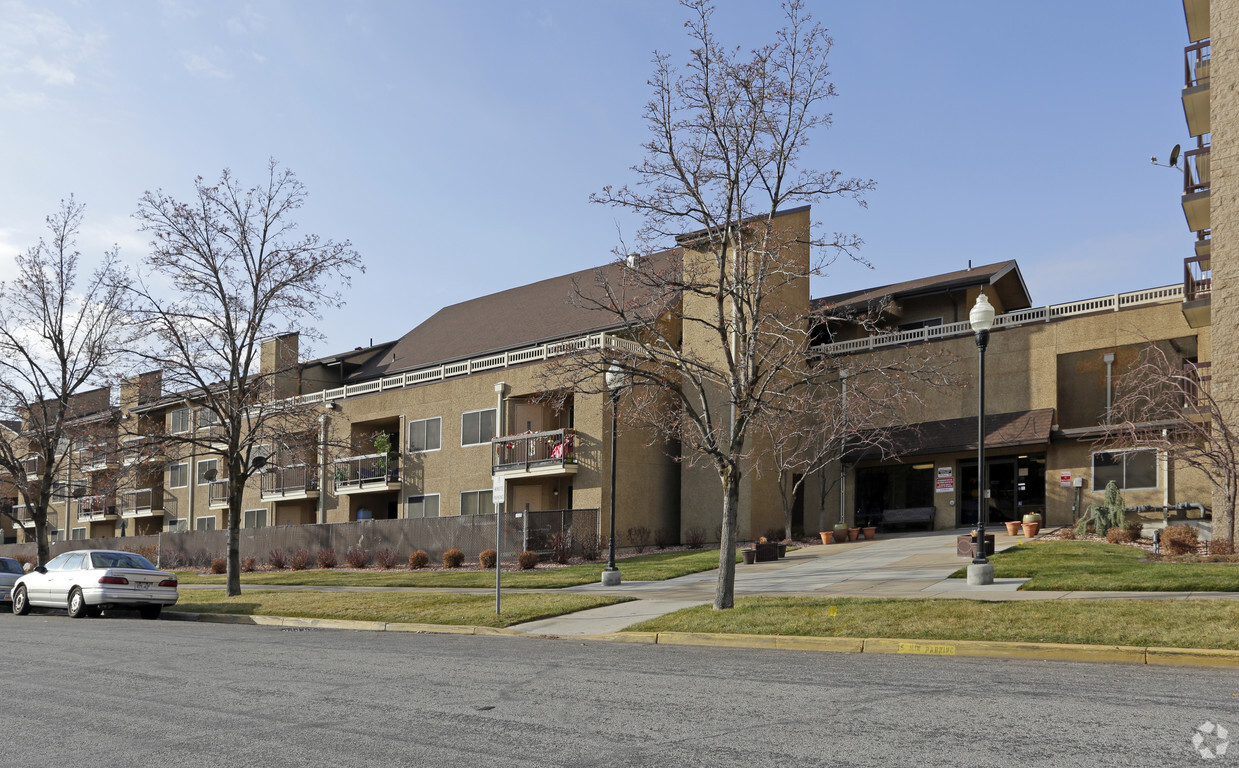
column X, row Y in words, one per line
column 1002, row 430
column 1003, row 275
column 524, row 316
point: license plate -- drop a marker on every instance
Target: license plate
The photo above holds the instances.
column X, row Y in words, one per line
column 142, row 584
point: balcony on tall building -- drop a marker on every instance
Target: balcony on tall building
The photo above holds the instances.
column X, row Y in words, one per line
column 147, row 502
column 1197, row 14
column 93, row 458
column 1197, row 288
column 1196, row 59
column 371, row 473
column 91, row 509
column 1196, row 188
column 535, row 454
column 1200, row 383
column 217, row 494
column 26, row 520
column 290, row 483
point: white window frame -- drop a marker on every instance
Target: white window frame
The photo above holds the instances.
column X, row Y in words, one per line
column 73, row 534
column 200, row 523
column 1157, row 457
column 490, row 508
column 172, row 420
column 198, row 481
column 438, row 505
column 171, row 482
column 409, row 434
column 245, row 516
column 494, row 427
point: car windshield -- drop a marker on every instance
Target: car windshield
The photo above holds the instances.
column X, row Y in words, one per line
column 120, row 560
column 10, row 566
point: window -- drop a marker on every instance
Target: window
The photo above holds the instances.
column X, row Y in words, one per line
column 178, row 475
column 424, row 435
column 1130, row 470
column 931, row 322
column 477, row 427
column 206, row 466
column 178, row 420
column 254, row 518
column 476, row 502
column 206, row 418
column 77, row 534
column 423, row 506
column 204, row 524
column 175, row 525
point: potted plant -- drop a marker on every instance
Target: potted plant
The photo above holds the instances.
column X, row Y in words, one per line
column 382, row 446
column 826, row 536
column 841, row 532
column 1013, row 527
column 869, row 532
column 1032, row 524
column 853, row 534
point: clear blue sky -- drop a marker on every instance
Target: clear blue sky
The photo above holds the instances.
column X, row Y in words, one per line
column 455, row 144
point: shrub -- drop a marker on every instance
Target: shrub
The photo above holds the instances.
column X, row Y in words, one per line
column 219, row 565
column 1117, row 536
column 277, row 559
column 487, row 558
column 663, row 538
column 772, row 534
column 591, row 547
column 527, row 560
column 386, row 558
column 561, row 547
column 149, row 551
column 1068, row 534
column 25, row 560
column 1179, row 540
column 326, row 558
column 695, row 537
column 249, row 564
column 356, row 557
column 1221, row 547
column 638, row 538
column 300, row 560
column 1135, row 531
column 1106, row 516
column 453, row 558
column 418, row 560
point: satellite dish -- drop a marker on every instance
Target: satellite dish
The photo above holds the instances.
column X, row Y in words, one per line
column 79, row 492
column 210, row 475
column 258, row 462
column 1174, row 155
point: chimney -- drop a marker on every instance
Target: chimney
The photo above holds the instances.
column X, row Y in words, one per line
column 278, row 364
column 140, row 390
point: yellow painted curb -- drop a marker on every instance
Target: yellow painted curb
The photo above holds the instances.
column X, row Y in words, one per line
column 717, row 640
column 834, row 644
column 500, row 631
column 437, row 629
column 648, row 638
column 1005, row 650
column 1197, row 657
column 373, row 626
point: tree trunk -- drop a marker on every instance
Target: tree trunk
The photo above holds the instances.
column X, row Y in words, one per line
column 235, row 491
column 725, row 592
column 40, row 536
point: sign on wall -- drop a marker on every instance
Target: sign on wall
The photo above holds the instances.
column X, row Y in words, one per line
column 1064, row 478
column 945, row 485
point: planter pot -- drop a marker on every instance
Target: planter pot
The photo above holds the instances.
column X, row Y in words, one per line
column 750, row 556
column 826, row 536
column 853, row 534
column 1033, row 517
column 1031, row 529
column 1013, row 528
column 966, row 546
column 869, row 531
column 782, row 550
column 841, row 534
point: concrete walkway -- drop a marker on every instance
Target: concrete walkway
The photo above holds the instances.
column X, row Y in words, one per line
column 907, row 566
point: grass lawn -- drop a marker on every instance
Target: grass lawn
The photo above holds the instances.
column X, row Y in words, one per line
column 1093, row 566
column 436, row 608
column 656, row 567
column 1166, row 623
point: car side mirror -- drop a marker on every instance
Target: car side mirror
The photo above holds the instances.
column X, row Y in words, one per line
column 40, row 569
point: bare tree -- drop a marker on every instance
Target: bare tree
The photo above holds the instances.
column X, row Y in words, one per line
column 1166, row 403
column 239, row 274
column 716, row 333
column 59, row 337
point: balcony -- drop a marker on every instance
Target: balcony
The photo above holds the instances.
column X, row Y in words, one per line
column 93, row 458
column 367, row 474
column 1197, row 287
column 290, row 483
column 1197, row 14
column 1200, row 384
column 217, row 494
column 1196, row 188
column 91, row 509
column 146, row 502
column 535, row 454
column 138, row 449
column 1196, row 60
column 25, row 520
column 31, row 466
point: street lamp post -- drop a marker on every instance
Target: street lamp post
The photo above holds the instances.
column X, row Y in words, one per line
column 982, row 319
column 615, row 383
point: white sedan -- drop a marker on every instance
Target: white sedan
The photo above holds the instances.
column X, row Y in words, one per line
column 87, row 581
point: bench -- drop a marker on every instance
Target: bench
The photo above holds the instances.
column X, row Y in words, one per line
column 908, row 516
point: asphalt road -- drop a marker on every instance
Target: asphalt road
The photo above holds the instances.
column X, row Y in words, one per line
column 125, row 692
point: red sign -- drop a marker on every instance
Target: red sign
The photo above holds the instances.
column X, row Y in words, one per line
column 1064, row 479
column 945, row 485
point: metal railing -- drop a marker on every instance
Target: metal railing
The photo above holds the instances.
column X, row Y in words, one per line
column 93, row 458
column 1197, row 277
column 217, row 492
column 536, row 449
column 1196, row 59
column 1200, row 377
column 361, row 471
column 145, row 501
column 89, row 507
column 1196, row 170
column 287, row 480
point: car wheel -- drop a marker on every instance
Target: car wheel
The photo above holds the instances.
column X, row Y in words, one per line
column 150, row 611
column 21, row 604
column 77, row 604
column 94, row 611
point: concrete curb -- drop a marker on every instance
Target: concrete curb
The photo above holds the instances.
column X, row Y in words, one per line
column 1108, row 654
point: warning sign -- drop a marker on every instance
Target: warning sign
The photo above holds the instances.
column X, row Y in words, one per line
column 1064, row 479
column 945, row 485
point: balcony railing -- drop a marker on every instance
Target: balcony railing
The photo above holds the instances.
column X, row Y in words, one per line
column 287, row 481
column 31, row 466
column 1197, row 277
column 1196, row 170
column 556, row 448
column 90, row 507
column 137, row 449
column 93, row 458
column 363, row 471
column 217, row 493
column 27, row 520
column 146, row 501
column 1200, row 376
column 1196, row 58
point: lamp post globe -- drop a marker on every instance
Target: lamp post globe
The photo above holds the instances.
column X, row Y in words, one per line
column 981, row 318
column 615, row 380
